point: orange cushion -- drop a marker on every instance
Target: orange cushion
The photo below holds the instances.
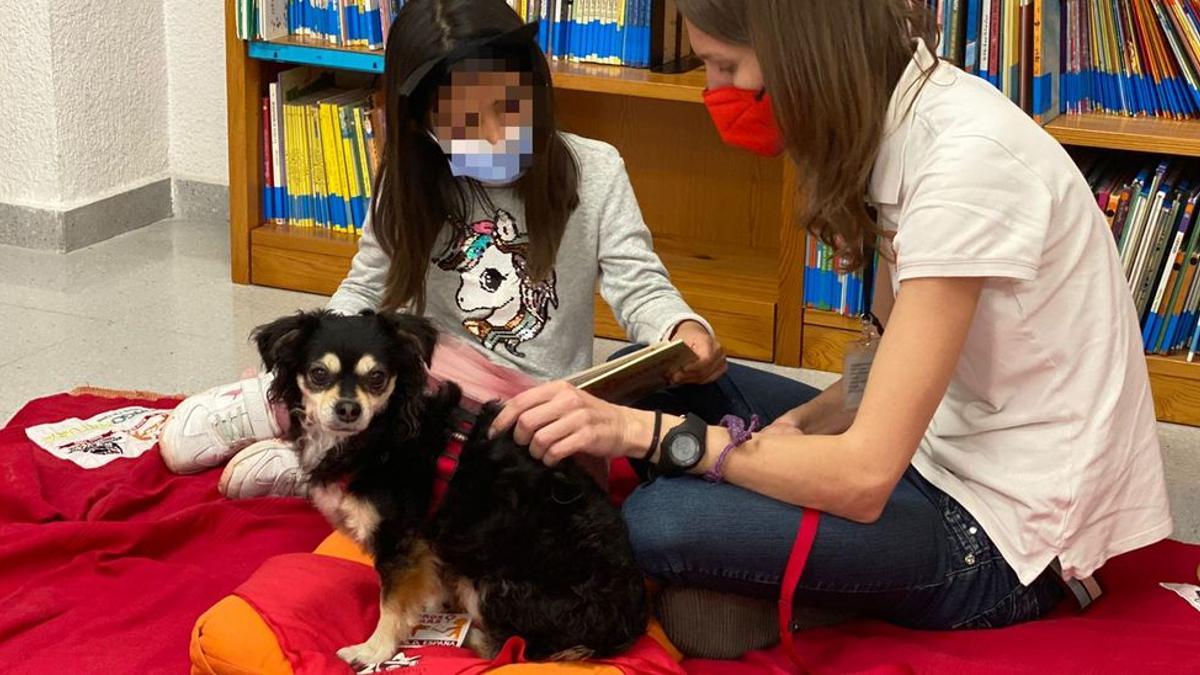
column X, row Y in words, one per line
column 232, row 639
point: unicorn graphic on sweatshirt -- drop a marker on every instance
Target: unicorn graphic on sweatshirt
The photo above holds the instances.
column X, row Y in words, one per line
column 507, row 307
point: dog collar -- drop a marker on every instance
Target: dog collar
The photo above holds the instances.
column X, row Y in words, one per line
column 463, row 422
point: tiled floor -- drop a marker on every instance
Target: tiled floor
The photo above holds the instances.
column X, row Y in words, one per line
column 155, row 310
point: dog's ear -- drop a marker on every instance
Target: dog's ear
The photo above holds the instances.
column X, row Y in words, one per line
column 279, row 341
column 416, row 329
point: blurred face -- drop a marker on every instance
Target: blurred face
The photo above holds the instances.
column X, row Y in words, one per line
column 481, row 101
column 727, row 65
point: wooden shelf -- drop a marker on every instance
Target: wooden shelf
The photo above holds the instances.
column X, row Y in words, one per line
column 1138, row 134
column 636, row 82
column 311, row 240
column 1176, row 385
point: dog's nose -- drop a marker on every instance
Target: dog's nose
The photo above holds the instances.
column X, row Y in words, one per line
column 348, row 411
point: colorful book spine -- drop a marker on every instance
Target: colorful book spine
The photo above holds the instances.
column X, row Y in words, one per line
column 279, row 192
column 268, row 186
column 973, row 25
column 350, row 166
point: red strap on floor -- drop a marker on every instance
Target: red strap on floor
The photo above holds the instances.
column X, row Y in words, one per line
column 805, row 535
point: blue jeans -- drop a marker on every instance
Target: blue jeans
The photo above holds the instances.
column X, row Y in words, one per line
column 926, row 563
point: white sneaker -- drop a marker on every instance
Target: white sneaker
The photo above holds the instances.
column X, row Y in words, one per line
column 268, row 468
column 208, row 428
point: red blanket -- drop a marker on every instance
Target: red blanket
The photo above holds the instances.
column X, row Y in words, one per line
column 1136, row 627
column 106, row 570
column 316, row 604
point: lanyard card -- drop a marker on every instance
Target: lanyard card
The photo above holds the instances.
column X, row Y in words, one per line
column 856, row 365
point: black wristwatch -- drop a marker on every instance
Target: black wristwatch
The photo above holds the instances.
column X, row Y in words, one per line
column 683, row 446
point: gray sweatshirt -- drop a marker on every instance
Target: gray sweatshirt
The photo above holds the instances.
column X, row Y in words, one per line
column 477, row 288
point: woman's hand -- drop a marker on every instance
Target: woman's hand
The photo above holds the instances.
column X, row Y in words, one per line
column 788, row 423
column 557, row 420
column 710, row 355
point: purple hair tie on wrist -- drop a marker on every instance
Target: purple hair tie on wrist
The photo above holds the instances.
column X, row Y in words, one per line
column 739, row 433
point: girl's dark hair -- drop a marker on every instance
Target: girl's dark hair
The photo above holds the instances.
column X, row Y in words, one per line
column 416, row 194
column 831, row 67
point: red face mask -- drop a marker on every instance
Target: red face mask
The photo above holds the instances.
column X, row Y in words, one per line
column 744, row 119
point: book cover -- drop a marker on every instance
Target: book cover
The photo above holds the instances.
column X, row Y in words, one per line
column 958, row 28
column 1139, row 214
column 996, row 41
column 275, row 19
column 1153, row 239
column 1155, row 272
column 985, row 39
column 1146, row 237
column 1170, row 262
column 1190, row 291
column 366, row 176
column 330, row 142
column 279, row 191
column 1047, row 64
column 316, row 158
column 1181, row 275
column 1011, row 64
column 268, row 185
column 971, row 36
column 354, row 192
column 1025, row 71
column 635, row 375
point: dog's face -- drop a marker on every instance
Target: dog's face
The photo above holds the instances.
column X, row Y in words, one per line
column 341, row 372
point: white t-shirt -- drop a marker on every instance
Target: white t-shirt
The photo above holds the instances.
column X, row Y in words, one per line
column 1047, row 433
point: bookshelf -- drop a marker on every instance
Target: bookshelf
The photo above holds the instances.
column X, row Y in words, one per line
column 719, row 216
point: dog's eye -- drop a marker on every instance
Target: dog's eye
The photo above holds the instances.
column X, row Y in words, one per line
column 377, row 380
column 318, row 376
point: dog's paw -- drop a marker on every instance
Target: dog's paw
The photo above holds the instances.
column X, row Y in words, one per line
column 369, row 653
column 327, row 499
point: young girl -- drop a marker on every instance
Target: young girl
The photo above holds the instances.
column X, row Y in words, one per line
column 488, row 220
column 1006, row 439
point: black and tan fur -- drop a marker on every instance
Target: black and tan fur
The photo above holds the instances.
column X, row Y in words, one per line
column 527, row 550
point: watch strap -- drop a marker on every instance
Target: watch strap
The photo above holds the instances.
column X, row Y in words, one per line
column 693, row 425
column 654, row 439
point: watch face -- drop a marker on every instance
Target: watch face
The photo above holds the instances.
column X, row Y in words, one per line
column 685, row 450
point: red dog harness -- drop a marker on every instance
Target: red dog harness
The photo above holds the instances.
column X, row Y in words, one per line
column 447, row 463
column 805, row 536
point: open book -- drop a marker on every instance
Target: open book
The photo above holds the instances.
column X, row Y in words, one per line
column 635, row 375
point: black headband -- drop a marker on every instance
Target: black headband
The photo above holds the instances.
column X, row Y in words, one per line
column 523, row 38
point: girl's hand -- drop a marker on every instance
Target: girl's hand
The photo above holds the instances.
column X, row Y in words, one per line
column 557, row 420
column 710, row 355
column 791, row 422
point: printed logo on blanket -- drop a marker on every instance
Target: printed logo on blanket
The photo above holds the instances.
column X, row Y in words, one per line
column 96, row 441
column 397, row 661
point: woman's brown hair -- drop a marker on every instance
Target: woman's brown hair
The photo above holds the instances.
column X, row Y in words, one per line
column 831, row 67
column 417, row 194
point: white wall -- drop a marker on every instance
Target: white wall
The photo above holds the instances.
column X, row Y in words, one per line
column 195, row 41
column 110, row 84
column 28, row 140
column 103, row 97
column 84, row 90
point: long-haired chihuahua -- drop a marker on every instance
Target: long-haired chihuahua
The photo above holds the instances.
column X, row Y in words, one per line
column 452, row 517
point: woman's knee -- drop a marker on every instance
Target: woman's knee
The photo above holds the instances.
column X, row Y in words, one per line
column 661, row 532
column 684, row 529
